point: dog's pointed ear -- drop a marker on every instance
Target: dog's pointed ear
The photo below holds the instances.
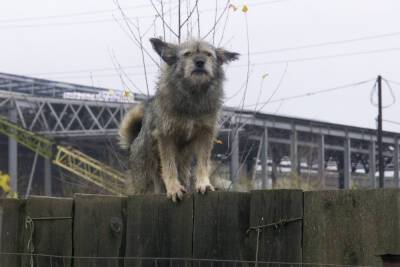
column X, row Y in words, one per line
column 168, row 52
column 224, row 56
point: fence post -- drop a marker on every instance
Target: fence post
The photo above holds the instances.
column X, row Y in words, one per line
column 99, row 229
column 221, row 220
column 278, row 214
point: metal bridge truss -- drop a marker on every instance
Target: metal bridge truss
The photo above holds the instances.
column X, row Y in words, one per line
column 64, row 117
column 42, row 87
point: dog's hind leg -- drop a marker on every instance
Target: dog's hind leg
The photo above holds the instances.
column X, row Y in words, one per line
column 169, row 172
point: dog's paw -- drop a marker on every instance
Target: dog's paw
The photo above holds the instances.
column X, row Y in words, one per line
column 175, row 191
column 203, row 187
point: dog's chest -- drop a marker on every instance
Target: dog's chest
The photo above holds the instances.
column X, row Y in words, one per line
column 184, row 129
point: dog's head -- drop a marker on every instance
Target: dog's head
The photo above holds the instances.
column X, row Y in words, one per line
column 197, row 62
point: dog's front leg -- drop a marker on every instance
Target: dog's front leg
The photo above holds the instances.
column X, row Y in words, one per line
column 203, row 147
column 169, row 171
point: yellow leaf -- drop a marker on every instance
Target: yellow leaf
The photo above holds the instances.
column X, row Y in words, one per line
column 5, row 183
column 245, row 8
column 218, row 141
column 126, row 93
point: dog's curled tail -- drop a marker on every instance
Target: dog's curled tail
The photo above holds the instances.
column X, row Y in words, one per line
column 130, row 126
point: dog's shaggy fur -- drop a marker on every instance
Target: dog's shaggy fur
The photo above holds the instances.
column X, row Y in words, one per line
column 179, row 122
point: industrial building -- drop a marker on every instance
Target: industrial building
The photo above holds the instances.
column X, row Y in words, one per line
column 253, row 150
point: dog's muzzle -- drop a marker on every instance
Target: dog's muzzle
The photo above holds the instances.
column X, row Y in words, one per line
column 199, row 67
column 199, row 71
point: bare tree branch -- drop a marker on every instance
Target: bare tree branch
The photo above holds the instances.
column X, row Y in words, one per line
column 163, row 19
column 120, row 70
column 132, row 35
column 190, row 14
column 143, row 59
column 198, row 21
column 217, row 21
column 223, row 29
column 179, row 22
column 139, row 41
column 248, row 62
column 149, row 28
column 276, row 89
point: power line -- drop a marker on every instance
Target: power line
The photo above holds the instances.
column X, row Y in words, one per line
column 391, row 81
column 313, row 93
column 88, row 21
column 68, row 23
column 375, row 51
column 392, row 122
column 77, row 14
column 238, row 65
column 102, row 11
column 364, row 38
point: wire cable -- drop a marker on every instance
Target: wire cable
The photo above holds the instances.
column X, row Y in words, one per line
column 345, row 41
column 394, row 82
column 374, row 88
column 395, row 49
column 375, row 51
column 67, row 15
column 10, row 26
column 392, row 122
column 313, row 93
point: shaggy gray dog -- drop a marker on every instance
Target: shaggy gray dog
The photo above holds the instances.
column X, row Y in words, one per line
column 178, row 123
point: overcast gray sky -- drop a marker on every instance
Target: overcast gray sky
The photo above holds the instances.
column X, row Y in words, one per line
column 75, row 40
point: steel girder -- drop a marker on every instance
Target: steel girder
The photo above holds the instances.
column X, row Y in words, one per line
column 65, row 117
column 42, row 87
column 77, row 117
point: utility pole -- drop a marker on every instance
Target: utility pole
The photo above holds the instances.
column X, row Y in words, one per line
column 379, row 137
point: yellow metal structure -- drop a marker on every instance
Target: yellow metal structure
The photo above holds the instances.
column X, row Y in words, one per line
column 35, row 142
column 68, row 158
column 89, row 168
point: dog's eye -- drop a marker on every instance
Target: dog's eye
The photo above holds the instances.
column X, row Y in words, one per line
column 208, row 54
column 187, row 54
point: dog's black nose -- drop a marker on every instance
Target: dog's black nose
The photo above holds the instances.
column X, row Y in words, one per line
column 200, row 63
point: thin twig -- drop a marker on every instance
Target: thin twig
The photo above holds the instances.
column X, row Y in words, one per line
column 248, row 64
column 188, row 34
column 151, row 26
column 132, row 35
column 224, row 28
column 217, row 21
column 170, row 16
column 191, row 13
column 143, row 59
column 276, row 89
column 139, row 40
column 162, row 18
column 179, row 21
column 260, row 91
column 198, row 21
column 118, row 68
column 163, row 21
